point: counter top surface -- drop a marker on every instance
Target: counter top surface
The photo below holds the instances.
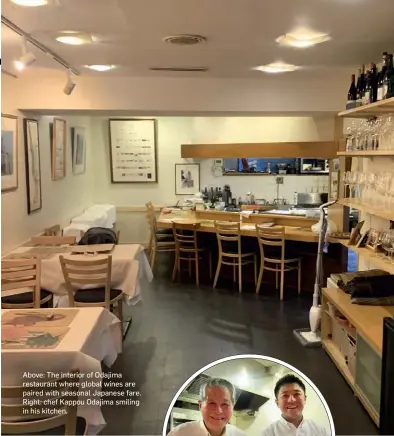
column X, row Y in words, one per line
column 292, row 233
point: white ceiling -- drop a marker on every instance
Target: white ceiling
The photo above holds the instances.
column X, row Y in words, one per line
column 241, row 34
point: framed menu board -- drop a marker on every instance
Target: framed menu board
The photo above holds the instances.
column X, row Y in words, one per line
column 133, row 150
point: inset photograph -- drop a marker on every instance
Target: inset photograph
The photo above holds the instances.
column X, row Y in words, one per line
column 252, row 396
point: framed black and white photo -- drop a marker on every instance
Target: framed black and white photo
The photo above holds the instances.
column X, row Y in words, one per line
column 9, row 152
column 33, row 165
column 187, row 179
column 78, row 150
column 133, row 150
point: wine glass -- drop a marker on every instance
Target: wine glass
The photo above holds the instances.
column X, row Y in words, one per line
column 388, row 244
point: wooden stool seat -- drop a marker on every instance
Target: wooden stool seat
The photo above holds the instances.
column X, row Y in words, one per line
column 273, row 239
column 230, row 246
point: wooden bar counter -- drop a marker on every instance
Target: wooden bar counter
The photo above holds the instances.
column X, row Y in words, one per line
column 297, row 228
column 298, row 234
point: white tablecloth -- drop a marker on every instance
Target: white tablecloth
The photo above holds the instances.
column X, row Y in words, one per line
column 94, row 336
column 108, row 209
column 129, row 268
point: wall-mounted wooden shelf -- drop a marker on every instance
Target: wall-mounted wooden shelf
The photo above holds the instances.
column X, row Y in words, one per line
column 377, row 153
column 368, row 209
column 370, row 110
column 379, row 262
column 316, row 149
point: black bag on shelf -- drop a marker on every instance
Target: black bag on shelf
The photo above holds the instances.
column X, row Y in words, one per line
column 377, row 290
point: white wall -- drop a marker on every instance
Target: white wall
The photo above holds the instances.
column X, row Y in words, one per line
column 61, row 200
column 174, row 131
column 322, row 92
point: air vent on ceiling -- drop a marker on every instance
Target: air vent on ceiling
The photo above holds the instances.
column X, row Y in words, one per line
column 194, row 387
column 181, row 69
column 185, row 39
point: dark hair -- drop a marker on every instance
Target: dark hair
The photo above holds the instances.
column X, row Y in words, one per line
column 286, row 380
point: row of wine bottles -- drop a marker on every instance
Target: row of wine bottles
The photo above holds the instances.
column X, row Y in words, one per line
column 372, row 85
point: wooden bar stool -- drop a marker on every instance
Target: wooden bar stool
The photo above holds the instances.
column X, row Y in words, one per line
column 273, row 252
column 230, row 248
column 186, row 248
column 159, row 243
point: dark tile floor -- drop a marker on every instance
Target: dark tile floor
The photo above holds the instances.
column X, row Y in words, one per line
column 178, row 329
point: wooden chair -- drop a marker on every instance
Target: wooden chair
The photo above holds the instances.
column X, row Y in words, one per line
column 15, row 420
column 95, row 272
column 53, row 240
column 20, row 275
column 273, row 251
column 186, row 248
column 159, row 243
column 53, row 231
column 230, row 248
column 159, row 234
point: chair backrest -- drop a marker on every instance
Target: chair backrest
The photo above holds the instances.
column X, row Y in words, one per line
column 185, row 235
column 93, row 271
column 53, row 231
column 228, row 233
column 98, row 235
column 15, row 420
column 53, row 240
column 272, row 237
column 21, row 274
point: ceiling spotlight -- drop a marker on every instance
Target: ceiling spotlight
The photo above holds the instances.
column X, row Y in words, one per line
column 74, row 38
column 26, row 59
column 30, row 3
column 70, row 85
column 100, row 68
column 302, row 38
column 276, row 68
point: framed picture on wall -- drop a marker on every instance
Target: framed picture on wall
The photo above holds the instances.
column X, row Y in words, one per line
column 58, row 148
column 33, row 165
column 187, row 179
column 132, row 145
column 9, row 152
column 78, row 150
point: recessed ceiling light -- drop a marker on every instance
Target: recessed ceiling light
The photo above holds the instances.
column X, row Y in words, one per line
column 30, row 3
column 276, row 67
column 100, row 67
column 302, row 38
column 74, row 38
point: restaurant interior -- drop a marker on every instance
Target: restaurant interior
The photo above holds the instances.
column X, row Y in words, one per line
column 183, row 183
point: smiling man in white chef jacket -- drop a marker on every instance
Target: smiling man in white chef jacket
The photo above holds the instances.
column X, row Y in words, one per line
column 290, row 397
column 217, row 398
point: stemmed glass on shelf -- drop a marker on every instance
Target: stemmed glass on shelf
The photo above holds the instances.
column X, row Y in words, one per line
column 387, row 241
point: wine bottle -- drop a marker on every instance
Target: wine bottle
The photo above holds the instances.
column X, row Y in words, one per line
column 388, row 77
column 381, row 77
column 360, row 87
column 367, row 89
column 374, row 84
column 352, row 94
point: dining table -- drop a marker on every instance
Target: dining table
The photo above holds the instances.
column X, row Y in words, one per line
column 38, row 343
column 130, row 268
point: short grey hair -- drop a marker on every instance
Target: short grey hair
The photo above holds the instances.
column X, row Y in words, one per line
column 217, row 383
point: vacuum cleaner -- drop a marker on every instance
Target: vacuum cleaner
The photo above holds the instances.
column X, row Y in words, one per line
column 311, row 337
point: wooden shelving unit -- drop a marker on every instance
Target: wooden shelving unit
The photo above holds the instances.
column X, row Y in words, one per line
column 368, row 324
column 368, row 154
column 313, row 149
column 379, row 262
column 371, row 110
column 364, row 208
